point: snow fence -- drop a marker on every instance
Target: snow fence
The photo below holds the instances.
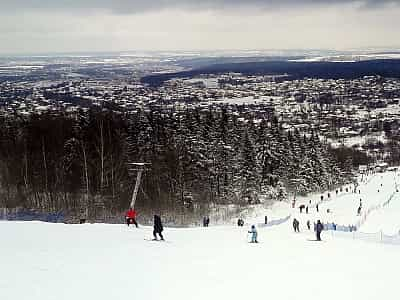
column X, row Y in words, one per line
column 373, row 208
column 275, row 222
column 21, row 214
column 375, row 237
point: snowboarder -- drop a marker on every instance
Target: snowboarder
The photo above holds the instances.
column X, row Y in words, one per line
column 130, row 217
column 319, row 228
column 309, row 225
column 158, row 228
column 253, row 232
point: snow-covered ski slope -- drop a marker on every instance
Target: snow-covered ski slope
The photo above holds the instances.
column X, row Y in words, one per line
column 374, row 191
column 43, row 261
column 98, row 261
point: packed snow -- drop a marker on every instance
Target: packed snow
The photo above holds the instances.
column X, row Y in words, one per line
column 103, row 262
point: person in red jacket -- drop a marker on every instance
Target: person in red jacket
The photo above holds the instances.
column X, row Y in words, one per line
column 131, row 217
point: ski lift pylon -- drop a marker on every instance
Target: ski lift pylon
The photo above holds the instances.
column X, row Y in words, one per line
column 139, row 167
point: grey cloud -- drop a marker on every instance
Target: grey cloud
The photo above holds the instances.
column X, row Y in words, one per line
column 138, row 6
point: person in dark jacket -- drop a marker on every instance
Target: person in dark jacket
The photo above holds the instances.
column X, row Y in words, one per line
column 296, row 225
column 319, row 228
column 158, row 227
column 130, row 217
column 309, row 225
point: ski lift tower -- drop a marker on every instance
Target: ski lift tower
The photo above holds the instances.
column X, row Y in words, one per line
column 139, row 168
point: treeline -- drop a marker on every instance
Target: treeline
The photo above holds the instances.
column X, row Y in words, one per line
column 389, row 68
column 79, row 163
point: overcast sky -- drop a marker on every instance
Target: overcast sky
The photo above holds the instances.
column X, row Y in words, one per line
column 45, row 26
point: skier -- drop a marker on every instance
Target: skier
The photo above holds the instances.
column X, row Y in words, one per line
column 296, row 225
column 301, row 207
column 253, row 232
column 306, row 209
column 130, row 217
column 309, row 225
column 359, row 211
column 317, row 207
column 206, row 221
column 319, row 228
column 158, row 228
column 240, row 222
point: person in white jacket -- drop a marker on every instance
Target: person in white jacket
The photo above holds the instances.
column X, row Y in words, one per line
column 253, row 232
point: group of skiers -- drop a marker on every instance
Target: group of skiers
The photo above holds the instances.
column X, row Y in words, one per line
column 158, row 228
column 318, row 227
column 306, row 207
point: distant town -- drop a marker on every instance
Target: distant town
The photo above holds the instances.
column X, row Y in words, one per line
column 339, row 109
